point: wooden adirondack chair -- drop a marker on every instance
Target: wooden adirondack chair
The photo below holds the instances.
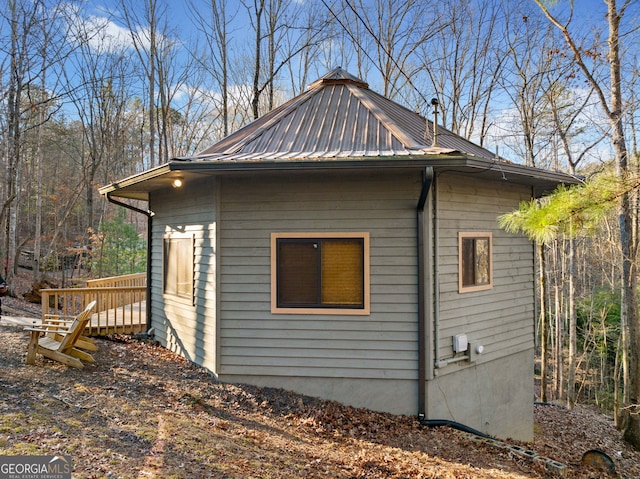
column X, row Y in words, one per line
column 64, row 350
column 55, row 322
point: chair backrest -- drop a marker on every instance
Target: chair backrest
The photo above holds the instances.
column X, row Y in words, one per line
column 77, row 327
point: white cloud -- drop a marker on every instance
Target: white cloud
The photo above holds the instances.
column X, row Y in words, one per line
column 107, row 35
column 101, row 33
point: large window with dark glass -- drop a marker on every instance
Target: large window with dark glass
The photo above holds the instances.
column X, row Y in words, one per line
column 319, row 272
column 475, row 263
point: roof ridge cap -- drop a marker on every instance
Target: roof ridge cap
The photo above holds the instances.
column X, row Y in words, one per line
column 337, row 76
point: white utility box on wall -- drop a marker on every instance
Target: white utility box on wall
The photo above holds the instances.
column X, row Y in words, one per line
column 460, row 343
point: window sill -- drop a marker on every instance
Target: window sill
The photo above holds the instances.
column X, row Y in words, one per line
column 473, row 289
column 323, row 311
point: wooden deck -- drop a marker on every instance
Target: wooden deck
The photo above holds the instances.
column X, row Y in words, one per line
column 120, row 307
column 113, row 321
column 127, row 319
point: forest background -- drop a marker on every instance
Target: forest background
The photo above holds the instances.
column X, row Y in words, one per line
column 91, row 93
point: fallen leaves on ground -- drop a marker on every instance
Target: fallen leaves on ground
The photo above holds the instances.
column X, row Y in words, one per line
column 142, row 411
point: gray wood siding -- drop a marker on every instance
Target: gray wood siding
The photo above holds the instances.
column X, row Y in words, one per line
column 501, row 318
column 189, row 329
column 255, row 342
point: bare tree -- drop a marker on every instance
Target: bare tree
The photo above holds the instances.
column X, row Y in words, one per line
column 52, row 47
column 214, row 60
column 609, row 93
column 396, row 30
column 100, row 99
column 567, row 117
column 271, row 21
column 532, row 65
column 18, row 54
column 34, row 45
column 348, row 38
column 464, row 63
column 149, row 35
column 316, row 25
column 337, row 47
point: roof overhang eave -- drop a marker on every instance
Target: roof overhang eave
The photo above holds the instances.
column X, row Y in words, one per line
column 133, row 186
column 139, row 186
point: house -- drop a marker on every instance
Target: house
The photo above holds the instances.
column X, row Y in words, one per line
column 333, row 248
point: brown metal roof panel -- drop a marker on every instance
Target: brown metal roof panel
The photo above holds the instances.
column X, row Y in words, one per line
column 338, row 119
column 378, row 110
column 277, row 138
column 328, row 133
column 348, row 129
column 316, row 120
column 412, row 122
column 305, row 118
column 272, row 139
column 318, row 131
column 304, row 123
column 414, row 125
column 253, row 130
column 317, row 126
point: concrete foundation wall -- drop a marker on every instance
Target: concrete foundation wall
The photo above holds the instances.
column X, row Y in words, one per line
column 383, row 395
column 494, row 397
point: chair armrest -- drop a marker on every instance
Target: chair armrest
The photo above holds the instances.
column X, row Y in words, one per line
column 44, row 329
column 57, row 321
column 58, row 317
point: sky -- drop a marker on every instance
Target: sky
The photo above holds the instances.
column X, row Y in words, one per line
column 178, row 15
column 109, row 14
column 181, row 24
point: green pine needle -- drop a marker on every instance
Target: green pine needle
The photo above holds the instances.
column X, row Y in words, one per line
column 569, row 210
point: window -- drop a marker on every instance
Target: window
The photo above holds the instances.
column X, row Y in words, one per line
column 178, row 261
column 326, row 273
column 474, row 260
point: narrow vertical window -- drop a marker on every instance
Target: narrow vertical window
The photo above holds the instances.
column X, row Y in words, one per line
column 474, row 262
column 316, row 272
column 178, row 266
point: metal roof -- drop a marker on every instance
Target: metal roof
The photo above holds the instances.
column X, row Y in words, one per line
column 338, row 117
column 337, row 123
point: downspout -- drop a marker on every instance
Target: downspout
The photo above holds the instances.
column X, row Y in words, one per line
column 427, row 181
column 430, row 324
column 149, row 214
column 437, row 363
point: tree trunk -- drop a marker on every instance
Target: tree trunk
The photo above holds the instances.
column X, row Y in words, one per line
column 259, row 8
column 37, row 240
column 543, row 324
column 627, row 240
column 613, row 108
column 152, row 83
column 13, row 148
column 630, row 308
column 558, row 386
column 573, row 333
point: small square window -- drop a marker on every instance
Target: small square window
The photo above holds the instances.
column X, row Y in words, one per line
column 475, row 268
column 320, row 273
column 178, row 266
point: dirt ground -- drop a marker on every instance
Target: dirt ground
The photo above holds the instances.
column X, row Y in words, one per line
column 141, row 412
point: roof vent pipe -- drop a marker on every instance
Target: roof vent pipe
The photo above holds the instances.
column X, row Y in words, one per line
column 435, row 103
